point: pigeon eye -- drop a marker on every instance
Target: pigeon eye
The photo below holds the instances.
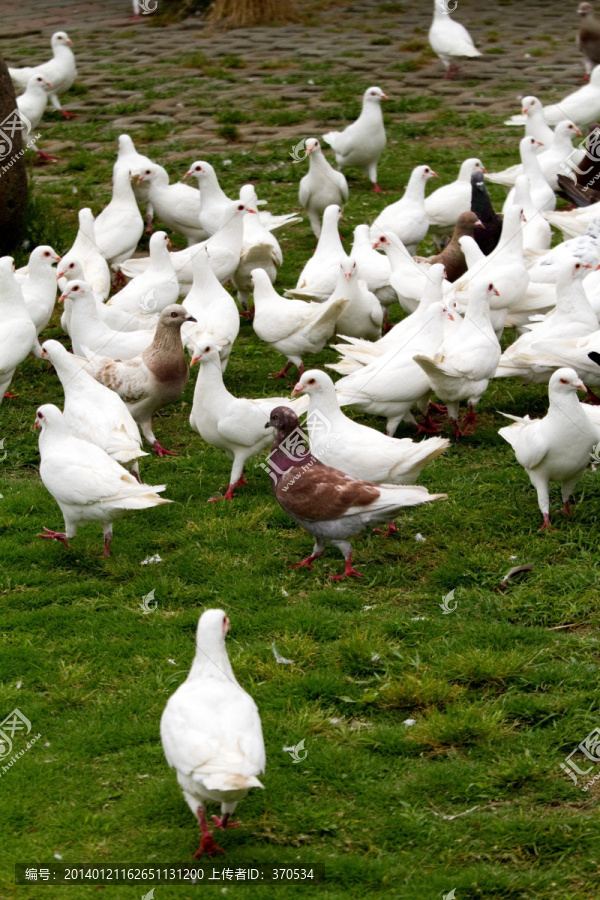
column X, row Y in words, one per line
column 563, row 381
column 207, row 349
column 71, row 265
column 174, row 315
column 241, row 207
column 312, row 381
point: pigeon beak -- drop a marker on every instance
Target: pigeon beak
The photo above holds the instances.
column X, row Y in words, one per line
column 579, row 385
column 523, row 218
column 481, row 225
column 69, row 42
column 597, row 268
column 56, row 259
column 268, row 425
column 168, row 242
column 578, row 132
column 375, row 245
column 187, row 175
column 384, row 97
column 190, row 319
column 196, row 357
column 347, row 275
column 496, row 293
column 484, row 170
column 140, row 179
column 44, row 354
column 63, row 297
column 251, row 211
column 298, row 388
column 524, row 112
column 540, row 143
column 49, row 84
column 585, row 266
column 434, row 174
column 36, row 425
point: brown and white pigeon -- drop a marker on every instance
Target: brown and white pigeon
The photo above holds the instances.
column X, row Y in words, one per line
column 211, row 732
column 329, row 504
column 156, row 378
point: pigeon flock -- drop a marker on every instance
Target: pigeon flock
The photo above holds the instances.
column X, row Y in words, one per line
column 134, row 324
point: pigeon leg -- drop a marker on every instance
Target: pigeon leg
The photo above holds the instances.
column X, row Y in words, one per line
column 546, row 524
column 470, row 421
column 566, row 510
column 348, row 572
column 436, row 407
column 248, row 314
column 241, row 482
column 592, row 398
column 161, row 450
column 46, row 157
column 10, row 395
column 377, row 189
column 306, row 563
column 387, row 325
column 584, row 78
column 107, row 539
column 224, row 822
column 427, row 426
column 119, row 281
column 207, row 844
column 282, row 373
column 55, row 536
column 391, row 529
column 451, row 71
column 135, row 471
column 457, row 432
column 68, row 115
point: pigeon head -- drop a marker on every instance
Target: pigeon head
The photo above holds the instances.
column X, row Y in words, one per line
column 211, row 654
column 39, row 81
column 284, row 420
column 77, row 291
column 147, row 174
column 585, row 9
column 213, row 624
column 206, row 353
column 51, row 349
column 348, row 268
column 529, row 104
column 159, row 241
column 248, row 196
column 426, row 172
column 465, row 224
column 48, row 415
column 61, row 39
column 201, row 170
column 70, row 269
column 469, row 167
column 44, row 255
column 565, row 381
column 313, row 383
column 174, row 315
column 311, row 144
column 375, row 95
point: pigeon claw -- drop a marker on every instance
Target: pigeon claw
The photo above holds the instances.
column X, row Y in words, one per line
column 224, row 822
column 209, row 846
column 46, row 157
column 566, row 510
column 377, row 189
column 305, row 564
column 10, row 395
column 282, row 373
column 161, row 450
column 547, row 524
column 391, row 529
column 55, row 536
column 348, row 572
column 68, row 115
column 249, row 315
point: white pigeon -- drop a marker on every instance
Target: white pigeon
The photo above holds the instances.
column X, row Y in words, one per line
column 91, row 336
column 271, row 222
column 542, row 195
column 32, row 104
column 155, row 288
column 407, row 277
column 224, row 247
column 215, row 208
column 292, row 327
column 60, row 71
column 39, row 286
column 572, row 318
column 557, row 447
column 467, row 359
column 211, row 732
column 363, row 316
column 407, row 218
column 18, row 335
column 86, row 483
column 260, row 250
column 85, row 250
column 582, row 106
column 93, row 412
column 374, row 267
column 213, row 308
column 238, row 426
column 445, row 205
column 356, row 449
column 573, row 222
column 177, row 205
column 321, row 187
column 532, row 114
column 449, row 39
column 394, row 382
column 552, row 159
column 358, row 352
column 319, row 276
column 118, row 228
column 148, row 382
column 129, row 159
column 361, row 144
column 536, row 231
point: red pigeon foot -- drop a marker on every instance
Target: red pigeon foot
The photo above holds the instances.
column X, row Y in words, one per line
column 161, row 450
column 306, row 563
column 282, row 373
column 207, row 844
column 107, row 540
column 427, row 426
column 224, row 822
column 566, row 510
column 378, row 190
column 348, row 572
column 457, row 432
column 391, row 529
column 46, row 157
column 118, row 281
column 547, row 524
column 443, row 410
column 469, row 422
column 584, row 78
column 228, row 495
column 241, row 482
column 249, row 315
column 55, row 536
column 68, row 115
column 591, row 398
column 10, row 395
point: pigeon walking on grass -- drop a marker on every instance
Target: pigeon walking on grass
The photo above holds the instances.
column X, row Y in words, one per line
column 211, row 732
column 361, row 144
column 329, row 504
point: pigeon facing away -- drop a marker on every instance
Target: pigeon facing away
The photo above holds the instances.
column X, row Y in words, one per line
column 60, row 71
column 488, row 233
column 86, row 483
column 449, row 39
column 557, row 447
column 211, row 732
column 321, row 186
column 329, row 504
column 154, row 379
column 588, row 39
column 361, row 144
column 85, row 250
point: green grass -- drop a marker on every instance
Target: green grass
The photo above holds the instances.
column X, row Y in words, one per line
column 471, row 797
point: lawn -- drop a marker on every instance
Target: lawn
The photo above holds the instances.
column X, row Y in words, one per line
column 471, row 797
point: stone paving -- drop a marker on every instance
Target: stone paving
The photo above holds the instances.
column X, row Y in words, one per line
column 529, row 47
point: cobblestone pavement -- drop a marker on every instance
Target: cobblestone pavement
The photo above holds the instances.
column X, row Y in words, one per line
column 188, row 78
